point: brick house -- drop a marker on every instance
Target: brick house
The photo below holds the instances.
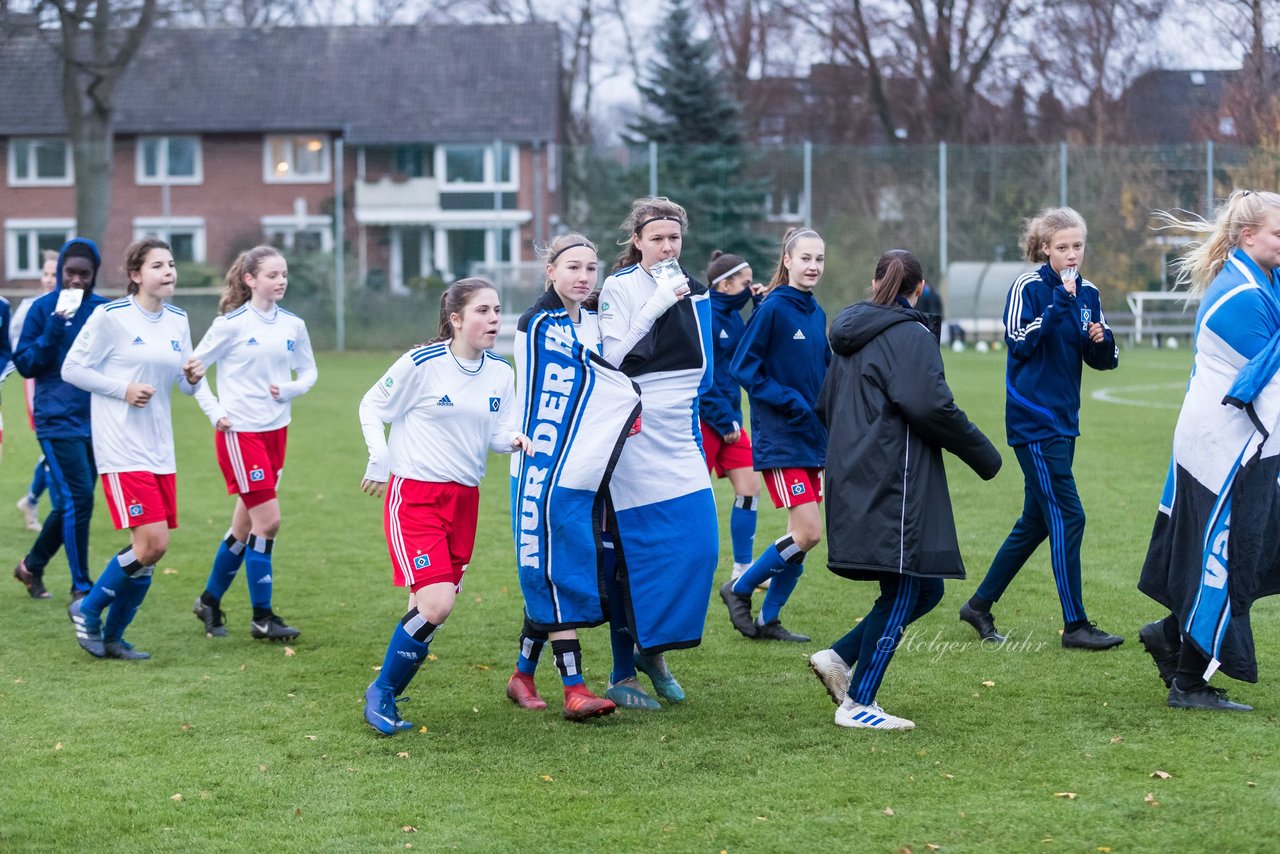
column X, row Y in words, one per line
column 227, row 137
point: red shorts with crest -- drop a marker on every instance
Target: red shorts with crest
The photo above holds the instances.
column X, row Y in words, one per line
column 139, row 498
column 723, row 457
column 431, row 531
column 793, row 487
column 251, row 463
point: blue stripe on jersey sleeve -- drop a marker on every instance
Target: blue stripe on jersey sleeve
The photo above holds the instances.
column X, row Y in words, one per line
column 239, row 311
column 426, row 354
column 175, row 310
column 112, row 306
column 285, row 311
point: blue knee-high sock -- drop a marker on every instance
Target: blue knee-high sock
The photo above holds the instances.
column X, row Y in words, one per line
column 742, row 527
column 620, row 640
column 257, row 571
column 406, row 652
column 226, row 563
column 780, row 590
column 772, row 561
column 532, row 641
column 110, row 585
column 126, row 605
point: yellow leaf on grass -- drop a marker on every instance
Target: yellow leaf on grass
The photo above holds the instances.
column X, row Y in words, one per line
column 169, row 571
column 932, row 847
column 1151, row 799
column 1251, row 784
column 479, row 599
column 1071, row 796
column 948, row 776
column 186, row 726
column 289, row 652
column 298, row 812
column 988, row 684
column 431, row 656
column 422, row 729
column 309, row 737
column 1116, row 739
column 402, row 755
column 547, row 778
column 58, row 746
column 409, row 829
column 761, row 818
column 176, row 796
column 1104, row 849
column 888, row 811
column 377, row 667
column 19, row 682
column 1162, row 775
column 480, row 666
column 262, row 768
column 905, row 850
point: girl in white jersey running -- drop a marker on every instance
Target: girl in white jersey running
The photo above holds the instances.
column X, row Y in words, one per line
column 258, row 347
column 129, row 355
column 448, row 403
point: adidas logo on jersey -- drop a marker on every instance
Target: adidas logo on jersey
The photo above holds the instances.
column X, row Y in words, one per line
column 444, row 401
column 139, row 340
column 799, row 336
column 252, row 342
column 724, row 334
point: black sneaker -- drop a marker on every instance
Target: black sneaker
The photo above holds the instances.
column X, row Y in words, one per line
column 739, row 607
column 272, row 628
column 982, row 622
column 1206, row 697
column 773, row 630
column 215, row 623
column 124, row 650
column 34, row 583
column 1089, row 636
column 1165, row 655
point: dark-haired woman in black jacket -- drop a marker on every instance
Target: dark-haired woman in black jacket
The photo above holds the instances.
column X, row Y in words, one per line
column 889, row 415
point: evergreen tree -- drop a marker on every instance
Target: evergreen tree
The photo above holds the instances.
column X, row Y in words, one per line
column 695, row 123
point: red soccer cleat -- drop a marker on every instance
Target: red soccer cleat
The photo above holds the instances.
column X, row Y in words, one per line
column 580, row 704
column 523, row 692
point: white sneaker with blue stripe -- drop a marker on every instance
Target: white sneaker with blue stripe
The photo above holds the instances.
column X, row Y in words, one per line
column 858, row 716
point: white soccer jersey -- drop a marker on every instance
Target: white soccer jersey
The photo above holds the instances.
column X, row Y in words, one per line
column 121, row 344
column 445, row 416
column 254, row 351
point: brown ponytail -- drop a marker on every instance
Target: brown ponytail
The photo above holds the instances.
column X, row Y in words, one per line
column 898, row 274
column 454, row 300
column 643, row 212
column 780, row 274
column 235, row 292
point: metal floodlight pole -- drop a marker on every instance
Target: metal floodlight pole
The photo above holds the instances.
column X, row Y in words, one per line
column 1208, row 179
column 1062, row 174
column 808, row 184
column 339, row 254
column 942, row 209
column 653, row 168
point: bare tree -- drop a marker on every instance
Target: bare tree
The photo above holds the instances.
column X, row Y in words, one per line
column 97, row 39
column 925, row 63
column 750, row 37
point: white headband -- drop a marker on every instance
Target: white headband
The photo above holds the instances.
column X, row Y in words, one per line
column 720, row 278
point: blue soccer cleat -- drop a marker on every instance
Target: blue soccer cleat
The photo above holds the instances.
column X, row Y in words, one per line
column 90, row 642
column 380, row 711
column 655, row 667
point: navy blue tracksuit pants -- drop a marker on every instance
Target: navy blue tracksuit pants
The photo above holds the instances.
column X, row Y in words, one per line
column 71, row 474
column 1051, row 509
column 870, row 646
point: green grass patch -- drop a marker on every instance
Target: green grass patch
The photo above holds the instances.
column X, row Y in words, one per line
column 268, row 751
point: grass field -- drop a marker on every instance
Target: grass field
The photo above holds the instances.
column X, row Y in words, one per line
column 234, row 744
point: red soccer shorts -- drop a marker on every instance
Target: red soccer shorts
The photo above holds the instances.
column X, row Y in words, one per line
column 723, row 457
column 793, row 487
column 139, row 498
column 431, row 530
column 251, row 463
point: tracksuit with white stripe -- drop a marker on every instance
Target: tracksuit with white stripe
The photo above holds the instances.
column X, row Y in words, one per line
column 1046, row 330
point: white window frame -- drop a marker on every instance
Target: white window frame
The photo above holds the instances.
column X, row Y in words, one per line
column 33, row 180
column 490, row 182
column 269, row 175
column 26, row 229
column 288, row 225
column 492, row 241
column 162, row 162
column 164, row 229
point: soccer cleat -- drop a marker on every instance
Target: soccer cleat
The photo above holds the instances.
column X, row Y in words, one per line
column 1165, row 655
column 124, row 650
column 982, row 622
column 832, row 672
column 30, row 513
column 1206, row 698
column 272, row 628
column 774, row 630
column 1090, row 636
column 215, row 623
column 580, row 704
column 90, row 642
column 739, row 610
column 655, row 667
column 28, row 579
column 857, row 716
column 627, row 694
column 380, row 711
column 77, row 593
column 522, row 691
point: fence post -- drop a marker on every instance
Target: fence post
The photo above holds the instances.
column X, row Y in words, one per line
column 1062, row 174
column 1208, row 179
column 653, row 168
column 942, row 210
column 808, row 184
column 339, row 253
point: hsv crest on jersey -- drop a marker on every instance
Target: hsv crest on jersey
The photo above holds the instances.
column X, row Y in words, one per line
column 799, row 336
column 176, row 345
column 421, row 562
column 288, row 344
column 257, row 474
column 494, row 403
column 1085, row 316
column 797, row 489
column 135, row 509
